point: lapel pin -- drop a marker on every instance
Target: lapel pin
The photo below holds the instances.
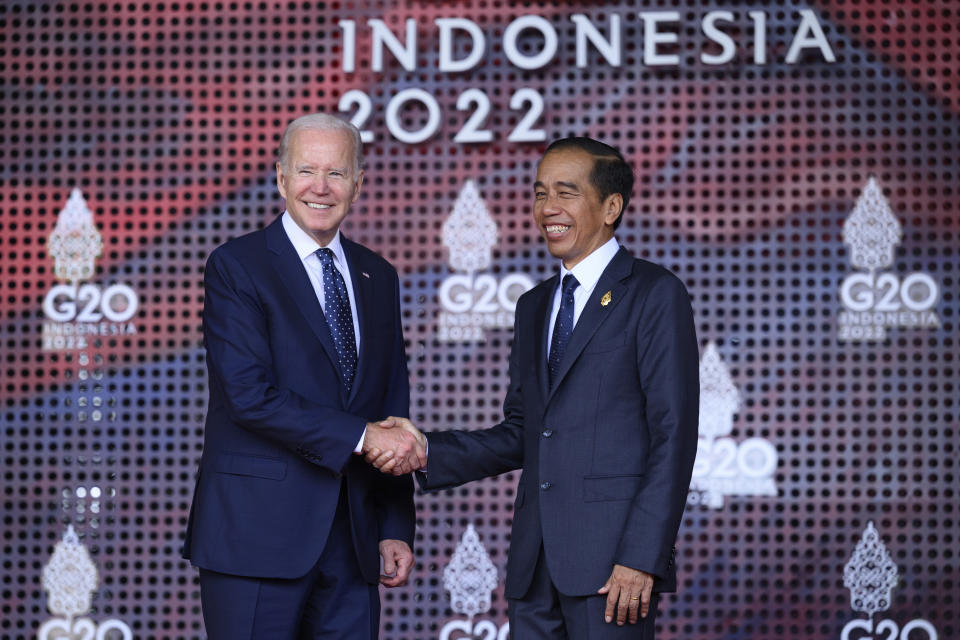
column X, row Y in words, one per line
column 365, row 274
column 605, row 300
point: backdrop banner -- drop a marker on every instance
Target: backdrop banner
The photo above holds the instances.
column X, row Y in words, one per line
column 797, row 166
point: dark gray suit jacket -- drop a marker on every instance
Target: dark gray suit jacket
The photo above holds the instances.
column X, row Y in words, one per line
column 608, row 452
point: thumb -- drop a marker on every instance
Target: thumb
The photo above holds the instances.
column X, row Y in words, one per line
column 606, row 588
column 389, row 563
column 389, row 422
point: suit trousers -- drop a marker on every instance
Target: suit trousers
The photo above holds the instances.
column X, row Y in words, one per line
column 543, row 613
column 332, row 601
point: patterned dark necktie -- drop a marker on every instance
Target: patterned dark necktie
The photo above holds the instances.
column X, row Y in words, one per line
column 338, row 315
column 563, row 327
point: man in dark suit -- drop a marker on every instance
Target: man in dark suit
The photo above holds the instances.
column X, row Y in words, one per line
column 601, row 415
column 304, row 348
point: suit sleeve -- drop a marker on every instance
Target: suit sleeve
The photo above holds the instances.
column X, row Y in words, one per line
column 394, row 495
column 241, row 362
column 456, row 457
column 668, row 367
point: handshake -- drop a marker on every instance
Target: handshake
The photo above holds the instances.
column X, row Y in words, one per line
column 395, row 446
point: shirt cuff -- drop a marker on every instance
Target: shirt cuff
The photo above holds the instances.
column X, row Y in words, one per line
column 359, row 447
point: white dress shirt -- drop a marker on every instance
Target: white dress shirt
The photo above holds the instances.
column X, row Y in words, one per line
column 587, row 272
column 306, row 248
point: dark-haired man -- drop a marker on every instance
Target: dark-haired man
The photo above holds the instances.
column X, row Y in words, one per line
column 601, row 415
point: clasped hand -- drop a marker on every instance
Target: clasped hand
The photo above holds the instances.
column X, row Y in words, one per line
column 395, row 446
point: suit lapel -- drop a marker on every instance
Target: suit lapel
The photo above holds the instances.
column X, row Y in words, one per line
column 294, row 277
column 542, row 331
column 594, row 313
column 363, row 298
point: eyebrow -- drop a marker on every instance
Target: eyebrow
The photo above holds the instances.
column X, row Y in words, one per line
column 560, row 183
column 308, row 165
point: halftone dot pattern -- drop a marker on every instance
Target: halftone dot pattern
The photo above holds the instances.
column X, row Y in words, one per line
column 166, row 116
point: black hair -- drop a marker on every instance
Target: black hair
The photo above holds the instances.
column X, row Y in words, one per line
column 610, row 174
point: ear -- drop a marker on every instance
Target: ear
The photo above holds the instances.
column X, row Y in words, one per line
column 281, row 182
column 612, row 208
column 356, row 193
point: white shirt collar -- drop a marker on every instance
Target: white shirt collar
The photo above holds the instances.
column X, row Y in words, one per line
column 305, row 245
column 588, row 271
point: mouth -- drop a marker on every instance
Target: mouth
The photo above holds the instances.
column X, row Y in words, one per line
column 556, row 229
column 317, row 205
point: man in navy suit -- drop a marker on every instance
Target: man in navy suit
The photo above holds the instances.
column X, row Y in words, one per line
column 304, row 349
column 601, row 415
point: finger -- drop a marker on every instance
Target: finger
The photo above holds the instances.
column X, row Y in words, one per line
column 623, row 605
column 645, row 597
column 606, row 587
column 389, row 465
column 403, row 468
column 389, row 562
column 421, row 457
column 613, row 595
column 632, row 608
column 382, row 460
column 376, row 455
column 390, row 581
column 404, row 566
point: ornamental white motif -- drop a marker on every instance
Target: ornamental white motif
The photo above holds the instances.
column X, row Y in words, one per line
column 469, row 232
column 70, row 578
column 870, row 574
column 871, row 231
column 719, row 397
column 75, row 241
column 471, row 576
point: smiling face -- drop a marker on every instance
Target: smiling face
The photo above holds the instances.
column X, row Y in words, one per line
column 319, row 180
column 567, row 209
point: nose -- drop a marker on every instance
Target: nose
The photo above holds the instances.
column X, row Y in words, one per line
column 320, row 184
column 551, row 204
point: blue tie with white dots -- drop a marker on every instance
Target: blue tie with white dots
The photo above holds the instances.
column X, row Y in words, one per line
column 338, row 315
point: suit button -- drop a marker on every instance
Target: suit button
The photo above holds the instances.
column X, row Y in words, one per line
column 545, row 486
column 547, row 433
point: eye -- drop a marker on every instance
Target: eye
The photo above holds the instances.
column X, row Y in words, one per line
column 337, row 174
column 539, row 195
column 305, row 172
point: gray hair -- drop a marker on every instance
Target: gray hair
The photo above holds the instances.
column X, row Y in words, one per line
column 320, row 122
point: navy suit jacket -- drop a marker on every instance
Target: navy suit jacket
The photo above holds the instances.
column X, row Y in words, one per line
column 281, row 428
column 607, row 453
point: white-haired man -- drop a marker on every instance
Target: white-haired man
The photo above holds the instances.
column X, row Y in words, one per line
column 304, row 349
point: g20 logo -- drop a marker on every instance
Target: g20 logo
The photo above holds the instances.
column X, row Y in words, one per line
column 724, row 458
column 483, row 294
column 867, row 292
column 888, row 630
column 87, row 303
column 467, row 630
